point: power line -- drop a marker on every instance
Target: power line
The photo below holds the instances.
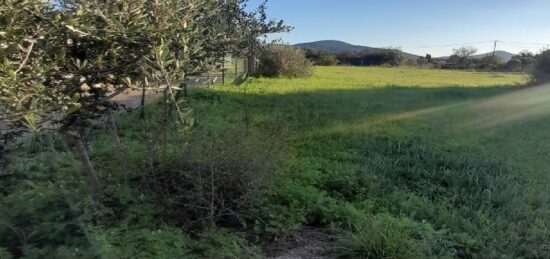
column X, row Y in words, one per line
column 510, row 43
column 526, row 43
column 524, row 46
column 449, row 45
column 515, row 45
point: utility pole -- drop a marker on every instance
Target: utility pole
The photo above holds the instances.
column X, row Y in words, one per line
column 495, row 48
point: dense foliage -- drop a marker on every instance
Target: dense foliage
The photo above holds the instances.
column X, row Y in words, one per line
column 368, row 164
column 68, row 59
column 284, row 61
column 386, row 57
column 541, row 72
column 321, row 58
column 524, row 62
column 62, row 63
column 462, row 59
column 203, row 180
column 411, row 171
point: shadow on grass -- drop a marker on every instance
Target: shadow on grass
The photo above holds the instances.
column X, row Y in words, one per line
column 509, row 121
column 484, row 181
column 314, row 110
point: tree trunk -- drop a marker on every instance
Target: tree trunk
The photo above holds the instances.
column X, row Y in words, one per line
column 251, row 65
column 160, row 132
column 118, row 146
column 142, row 112
column 183, row 85
column 212, row 210
column 84, row 157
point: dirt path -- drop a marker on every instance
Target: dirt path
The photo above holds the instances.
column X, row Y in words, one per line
column 129, row 98
column 307, row 243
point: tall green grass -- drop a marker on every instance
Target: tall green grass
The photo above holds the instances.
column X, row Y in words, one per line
column 409, row 162
column 394, row 162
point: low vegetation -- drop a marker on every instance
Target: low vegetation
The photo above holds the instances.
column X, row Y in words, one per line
column 541, row 72
column 384, row 162
column 321, row 58
column 393, row 162
column 461, row 59
column 381, row 57
column 279, row 60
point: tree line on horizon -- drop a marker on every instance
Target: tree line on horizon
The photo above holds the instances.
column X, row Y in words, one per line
column 461, row 59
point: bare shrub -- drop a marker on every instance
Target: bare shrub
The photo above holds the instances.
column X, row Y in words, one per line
column 283, row 60
column 220, row 173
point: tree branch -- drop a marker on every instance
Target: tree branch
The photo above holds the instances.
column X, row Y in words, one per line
column 81, row 33
column 28, row 54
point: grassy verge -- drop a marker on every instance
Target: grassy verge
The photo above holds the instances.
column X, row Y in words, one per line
column 397, row 163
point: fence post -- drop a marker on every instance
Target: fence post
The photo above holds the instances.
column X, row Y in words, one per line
column 251, row 64
column 223, row 70
column 235, row 61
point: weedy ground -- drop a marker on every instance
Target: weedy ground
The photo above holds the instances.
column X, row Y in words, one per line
column 389, row 162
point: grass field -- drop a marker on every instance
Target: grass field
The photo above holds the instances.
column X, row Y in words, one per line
column 332, row 78
column 440, row 163
column 391, row 162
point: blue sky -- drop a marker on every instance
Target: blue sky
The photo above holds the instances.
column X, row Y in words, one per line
column 418, row 26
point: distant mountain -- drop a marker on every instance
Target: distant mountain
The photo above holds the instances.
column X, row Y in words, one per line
column 335, row 47
column 504, row 55
column 332, row 46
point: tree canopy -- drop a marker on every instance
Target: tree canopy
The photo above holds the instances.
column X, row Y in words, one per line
column 63, row 61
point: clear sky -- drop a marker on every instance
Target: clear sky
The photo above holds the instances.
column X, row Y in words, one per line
column 418, row 26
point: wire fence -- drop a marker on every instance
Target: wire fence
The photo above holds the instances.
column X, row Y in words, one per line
column 231, row 70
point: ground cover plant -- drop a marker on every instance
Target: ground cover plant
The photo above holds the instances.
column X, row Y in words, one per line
column 390, row 162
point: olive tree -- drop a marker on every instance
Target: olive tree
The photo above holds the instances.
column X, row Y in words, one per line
column 25, row 62
column 63, row 61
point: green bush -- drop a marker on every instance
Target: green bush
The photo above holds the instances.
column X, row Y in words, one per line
column 289, row 205
column 163, row 242
column 214, row 174
column 168, row 242
column 541, row 73
column 384, row 236
column 283, row 208
column 38, row 218
column 284, row 61
column 5, row 254
column 524, row 62
column 45, row 212
column 321, row 58
column 217, row 243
